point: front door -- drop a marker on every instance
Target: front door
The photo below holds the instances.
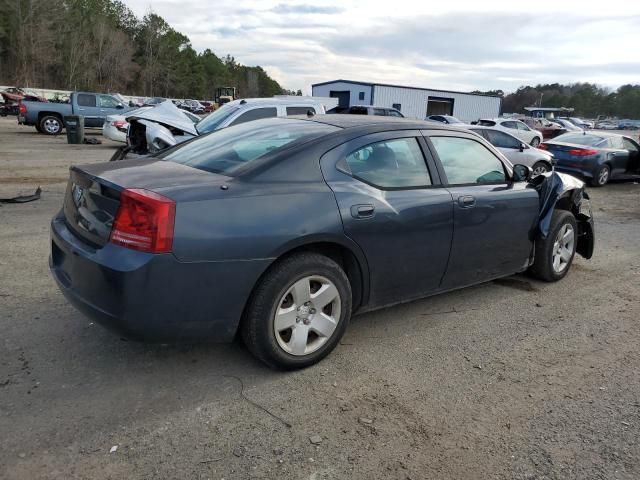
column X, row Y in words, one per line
column 392, row 207
column 88, row 107
column 493, row 217
column 109, row 106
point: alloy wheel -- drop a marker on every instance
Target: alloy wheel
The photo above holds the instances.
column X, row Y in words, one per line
column 563, row 248
column 307, row 315
column 51, row 125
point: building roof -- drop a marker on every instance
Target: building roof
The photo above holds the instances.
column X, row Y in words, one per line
column 403, row 86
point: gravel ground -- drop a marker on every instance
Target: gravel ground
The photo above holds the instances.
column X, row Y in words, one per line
column 512, row 379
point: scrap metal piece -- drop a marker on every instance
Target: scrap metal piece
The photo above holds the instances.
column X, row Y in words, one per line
column 23, row 198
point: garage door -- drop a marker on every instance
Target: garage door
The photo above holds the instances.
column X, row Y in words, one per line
column 439, row 106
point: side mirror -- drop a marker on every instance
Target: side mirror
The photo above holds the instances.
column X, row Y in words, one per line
column 119, row 106
column 523, row 147
column 521, row 173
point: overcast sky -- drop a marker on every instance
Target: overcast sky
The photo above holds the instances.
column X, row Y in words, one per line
column 458, row 45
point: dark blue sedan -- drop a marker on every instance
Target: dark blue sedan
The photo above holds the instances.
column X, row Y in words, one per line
column 599, row 157
column 279, row 230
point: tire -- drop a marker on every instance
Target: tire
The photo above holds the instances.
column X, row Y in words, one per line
column 555, row 248
column 38, row 129
column 540, row 167
column 283, row 348
column 535, row 142
column 51, row 125
column 602, row 176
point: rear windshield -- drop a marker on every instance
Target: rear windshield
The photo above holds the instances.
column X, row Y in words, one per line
column 214, row 119
column 227, row 150
column 580, row 139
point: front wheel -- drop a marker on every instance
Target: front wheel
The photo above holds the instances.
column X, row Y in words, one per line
column 298, row 312
column 554, row 254
column 540, row 167
column 535, row 142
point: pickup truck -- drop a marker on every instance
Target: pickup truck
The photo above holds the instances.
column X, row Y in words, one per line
column 48, row 117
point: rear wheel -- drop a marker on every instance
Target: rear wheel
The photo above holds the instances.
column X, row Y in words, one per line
column 601, row 177
column 554, row 255
column 535, row 142
column 299, row 311
column 51, row 125
column 540, row 167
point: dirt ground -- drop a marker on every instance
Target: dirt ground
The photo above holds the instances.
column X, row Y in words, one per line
column 514, row 379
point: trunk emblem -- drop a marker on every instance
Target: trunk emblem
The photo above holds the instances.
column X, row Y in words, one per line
column 78, row 193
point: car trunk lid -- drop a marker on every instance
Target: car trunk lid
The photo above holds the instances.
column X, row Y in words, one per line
column 93, row 191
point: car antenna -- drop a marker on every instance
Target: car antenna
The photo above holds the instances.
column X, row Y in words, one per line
column 310, row 113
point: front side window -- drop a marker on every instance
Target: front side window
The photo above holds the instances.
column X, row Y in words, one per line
column 379, row 111
column 86, row 100
column 107, row 101
column 397, row 163
column 213, row 121
column 616, row 142
column 393, row 113
column 397, row 106
column 227, row 150
column 522, row 126
column 256, row 114
column 629, row 145
column 466, row 161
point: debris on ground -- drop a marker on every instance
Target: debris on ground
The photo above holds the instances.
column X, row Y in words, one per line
column 113, row 449
column 23, row 198
column 315, row 439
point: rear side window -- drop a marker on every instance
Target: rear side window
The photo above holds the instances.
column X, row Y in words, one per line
column 379, row 111
column 256, row 114
column 300, row 110
column 229, row 149
column 85, row 100
column 513, row 125
column 466, row 161
column 580, row 139
column 397, row 163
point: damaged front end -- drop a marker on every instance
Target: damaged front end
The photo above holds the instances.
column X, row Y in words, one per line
column 564, row 192
column 153, row 130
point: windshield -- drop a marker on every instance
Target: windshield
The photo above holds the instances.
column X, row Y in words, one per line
column 214, row 119
column 580, row 139
column 227, row 150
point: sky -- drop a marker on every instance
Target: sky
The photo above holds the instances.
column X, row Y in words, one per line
column 456, row 45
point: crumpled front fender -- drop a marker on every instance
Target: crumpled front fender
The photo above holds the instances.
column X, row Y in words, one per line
column 562, row 191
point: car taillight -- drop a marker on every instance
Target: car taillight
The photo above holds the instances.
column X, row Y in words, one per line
column 582, row 152
column 119, row 123
column 22, row 108
column 144, row 221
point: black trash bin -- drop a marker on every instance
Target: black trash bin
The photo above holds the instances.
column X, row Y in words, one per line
column 75, row 128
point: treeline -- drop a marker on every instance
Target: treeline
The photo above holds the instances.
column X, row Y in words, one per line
column 589, row 100
column 100, row 45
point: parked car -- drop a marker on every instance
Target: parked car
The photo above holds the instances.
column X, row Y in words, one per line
column 48, row 117
column 569, row 127
column 116, row 127
column 208, row 107
column 367, row 110
column 193, row 106
column 580, row 123
column 448, row 119
column 282, row 228
column 597, row 156
column 516, row 150
column 514, row 127
column 547, row 128
column 627, row 125
column 607, row 125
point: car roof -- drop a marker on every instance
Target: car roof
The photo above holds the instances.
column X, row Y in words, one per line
column 377, row 122
column 272, row 101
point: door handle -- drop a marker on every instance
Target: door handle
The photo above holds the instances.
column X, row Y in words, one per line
column 466, row 201
column 362, row 211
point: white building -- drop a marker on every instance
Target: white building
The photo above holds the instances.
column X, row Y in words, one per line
column 413, row 102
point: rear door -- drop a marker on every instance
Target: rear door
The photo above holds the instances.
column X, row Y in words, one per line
column 87, row 106
column 492, row 216
column 392, row 206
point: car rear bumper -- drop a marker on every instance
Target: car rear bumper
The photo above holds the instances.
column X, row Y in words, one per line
column 148, row 297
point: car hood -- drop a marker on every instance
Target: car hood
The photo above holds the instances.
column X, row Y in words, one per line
column 165, row 113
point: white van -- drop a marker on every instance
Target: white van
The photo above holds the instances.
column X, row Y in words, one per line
column 248, row 109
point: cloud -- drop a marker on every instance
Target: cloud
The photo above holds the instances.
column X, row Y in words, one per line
column 305, row 9
column 445, row 45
